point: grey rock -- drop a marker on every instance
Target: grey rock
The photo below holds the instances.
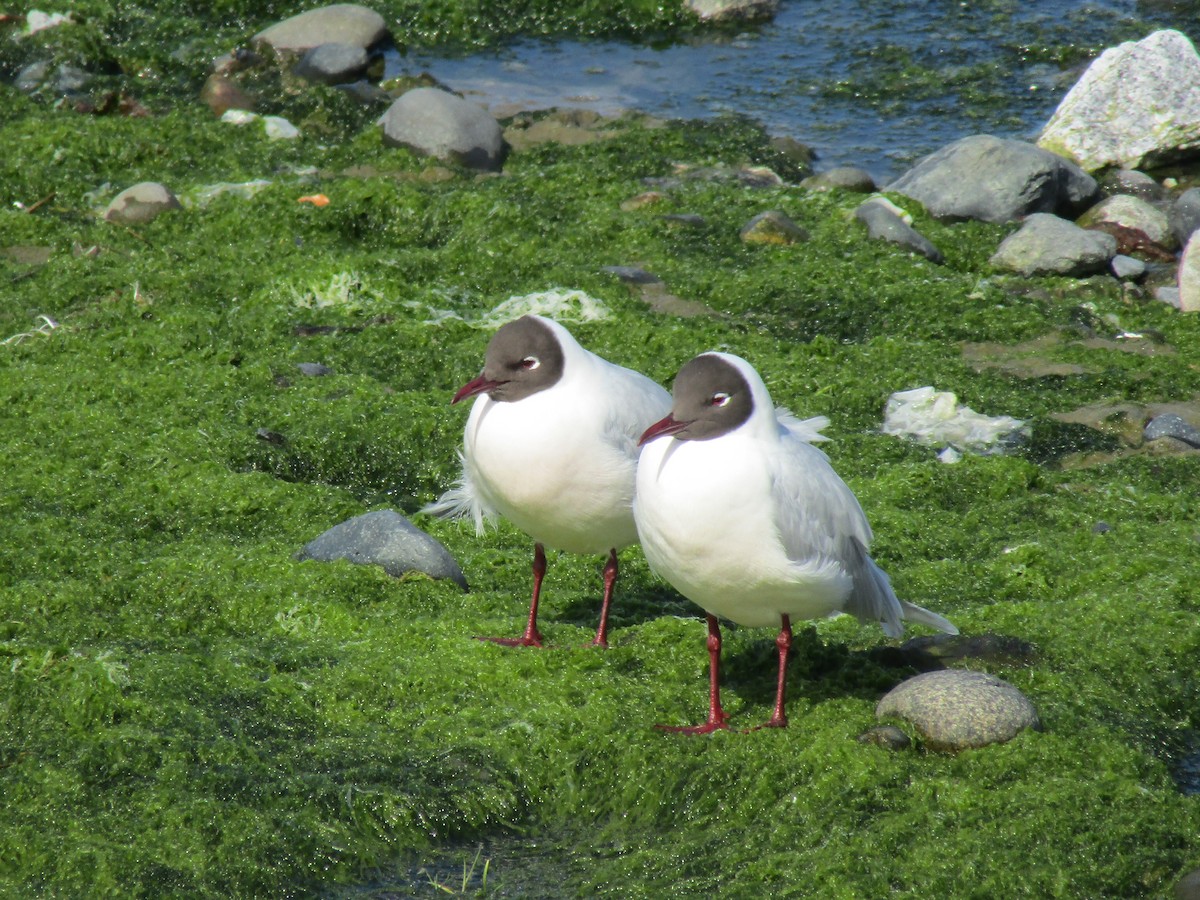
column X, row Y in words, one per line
column 1131, row 182
column 341, row 23
column 692, row 220
column 63, row 79
column 314, row 370
column 733, row 10
column 884, row 225
column 1138, row 104
column 772, row 227
column 385, row 538
column 846, row 178
column 1168, row 295
column 1174, row 426
column 889, row 737
column 1048, row 245
column 33, row 76
column 1131, row 212
column 632, row 274
column 996, row 180
column 440, row 124
column 958, row 709
column 366, row 93
column 333, row 64
column 140, row 204
column 1184, row 215
column 1127, row 268
column 1188, row 887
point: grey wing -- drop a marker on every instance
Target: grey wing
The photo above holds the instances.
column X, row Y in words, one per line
column 822, row 517
column 634, row 404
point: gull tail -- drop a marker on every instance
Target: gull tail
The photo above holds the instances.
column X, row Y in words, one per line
column 874, row 600
column 462, row 501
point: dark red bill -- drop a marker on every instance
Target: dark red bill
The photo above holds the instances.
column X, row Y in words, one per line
column 475, row 386
column 666, row 425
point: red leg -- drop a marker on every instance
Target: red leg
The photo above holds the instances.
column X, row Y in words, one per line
column 784, row 643
column 610, row 579
column 716, row 716
column 532, row 637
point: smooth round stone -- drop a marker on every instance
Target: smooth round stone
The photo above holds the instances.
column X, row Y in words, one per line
column 333, row 64
column 341, row 23
column 959, row 709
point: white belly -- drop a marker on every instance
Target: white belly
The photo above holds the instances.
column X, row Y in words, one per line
column 706, row 521
column 555, row 476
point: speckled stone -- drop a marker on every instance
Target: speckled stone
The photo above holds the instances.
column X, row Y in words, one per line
column 888, row 737
column 958, row 709
column 141, row 203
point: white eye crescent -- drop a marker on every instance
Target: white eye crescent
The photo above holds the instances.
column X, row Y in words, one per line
column 719, row 399
column 530, row 363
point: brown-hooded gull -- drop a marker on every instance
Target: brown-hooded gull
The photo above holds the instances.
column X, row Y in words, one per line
column 551, row 444
column 746, row 518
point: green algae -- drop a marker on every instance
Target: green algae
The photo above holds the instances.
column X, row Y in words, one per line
column 187, row 710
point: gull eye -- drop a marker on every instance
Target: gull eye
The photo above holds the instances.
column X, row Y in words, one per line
column 719, row 399
column 529, row 363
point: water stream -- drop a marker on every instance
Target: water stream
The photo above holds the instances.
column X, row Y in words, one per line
column 862, row 82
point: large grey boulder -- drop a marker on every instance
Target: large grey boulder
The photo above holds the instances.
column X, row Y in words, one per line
column 440, row 124
column 959, row 709
column 1048, row 245
column 341, row 23
column 996, row 180
column 1184, row 215
column 385, row 538
column 1138, row 104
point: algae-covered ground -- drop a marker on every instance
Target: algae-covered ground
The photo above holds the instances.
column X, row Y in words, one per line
column 189, row 711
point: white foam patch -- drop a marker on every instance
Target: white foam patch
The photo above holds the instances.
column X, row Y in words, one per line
column 560, row 305
column 936, row 418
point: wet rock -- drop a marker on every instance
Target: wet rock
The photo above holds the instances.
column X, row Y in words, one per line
column 1131, row 182
column 772, row 227
column 889, row 737
column 63, row 79
column 845, row 178
column 996, row 180
column 632, row 274
column 885, row 225
column 957, row 709
column 1174, row 426
column 387, row 539
column 1188, row 276
column 333, row 64
column 939, row 650
column 221, row 94
column 1133, row 213
column 798, row 157
column 1127, row 268
column 733, row 10
column 341, row 23
column 1188, row 887
column 314, row 370
column 440, row 124
column 1138, row 104
column 141, row 203
column 1184, row 215
column 1048, row 245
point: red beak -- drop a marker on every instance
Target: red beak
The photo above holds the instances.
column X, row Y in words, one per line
column 666, row 425
column 475, row 386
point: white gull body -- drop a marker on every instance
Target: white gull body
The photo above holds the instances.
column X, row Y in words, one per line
column 750, row 521
column 560, row 462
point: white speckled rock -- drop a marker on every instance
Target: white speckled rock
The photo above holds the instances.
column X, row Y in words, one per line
column 733, row 10
column 959, row 709
column 1189, row 275
column 1138, row 104
column 140, row 203
column 341, row 23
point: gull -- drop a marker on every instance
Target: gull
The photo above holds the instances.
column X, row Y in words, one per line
column 551, row 444
column 747, row 519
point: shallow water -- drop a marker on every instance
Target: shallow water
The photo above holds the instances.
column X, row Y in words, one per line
column 862, row 82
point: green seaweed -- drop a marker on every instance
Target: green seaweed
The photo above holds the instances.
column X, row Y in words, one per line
column 187, row 710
